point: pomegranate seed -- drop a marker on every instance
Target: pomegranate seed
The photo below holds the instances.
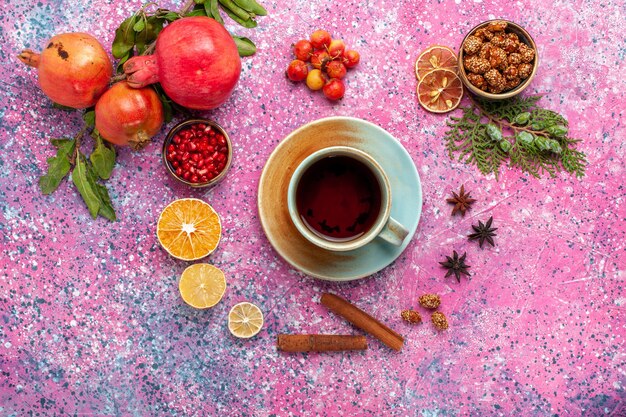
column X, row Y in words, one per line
column 187, row 175
column 179, row 171
column 194, row 178
column 175, row 164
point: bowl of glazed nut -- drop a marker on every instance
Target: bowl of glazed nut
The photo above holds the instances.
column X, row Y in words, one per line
column 497, row 59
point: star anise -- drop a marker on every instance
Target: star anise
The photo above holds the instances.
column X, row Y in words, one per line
column 456, row 265
column 483, row 232
column 461, row 201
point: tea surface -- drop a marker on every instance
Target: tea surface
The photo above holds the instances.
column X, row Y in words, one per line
column 338, row 198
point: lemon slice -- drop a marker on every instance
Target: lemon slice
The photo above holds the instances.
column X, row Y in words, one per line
column 189, row 229
column 245, row 320
column 202, row 285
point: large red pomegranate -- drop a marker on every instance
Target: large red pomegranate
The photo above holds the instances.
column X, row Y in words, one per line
column 74, row 69
column 129, row 116
column 196, row 62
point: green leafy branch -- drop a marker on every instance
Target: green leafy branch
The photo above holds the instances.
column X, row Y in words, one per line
column 86, row 173
column 532, row 138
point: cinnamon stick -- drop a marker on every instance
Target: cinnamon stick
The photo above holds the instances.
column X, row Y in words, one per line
column 362, row 320
column 320, row 342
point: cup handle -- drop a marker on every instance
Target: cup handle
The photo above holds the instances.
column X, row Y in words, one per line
column 393, row 232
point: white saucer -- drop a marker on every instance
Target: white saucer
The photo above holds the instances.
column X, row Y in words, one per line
column 406, row 194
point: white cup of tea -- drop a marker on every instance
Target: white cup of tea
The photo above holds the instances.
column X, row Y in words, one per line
column 339, row 199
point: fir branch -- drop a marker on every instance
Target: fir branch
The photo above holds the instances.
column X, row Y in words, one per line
column 536, row 139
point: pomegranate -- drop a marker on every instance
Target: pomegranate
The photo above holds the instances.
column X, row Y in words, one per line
column 195, row 60
column 129, row 116
column 74, row 69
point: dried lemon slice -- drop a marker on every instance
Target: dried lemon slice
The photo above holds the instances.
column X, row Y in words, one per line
column 202, row 285
column 440, row 91
column 433, row 58
column 189, row 229
column 245, row 320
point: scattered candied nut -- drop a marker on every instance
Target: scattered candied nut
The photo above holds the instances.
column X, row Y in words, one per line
column 411, row 316
column 476, row 64
column 526, row 53
column 477, row 80
column 472, row 45
column 431, row 301
column 439, row 320
column 524, row 70
column 515, row 58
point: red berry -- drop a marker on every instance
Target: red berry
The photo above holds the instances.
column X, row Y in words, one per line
column 351, row 58
column 334, row 89
column 320, row 39
column 335, row 69
column 319, row 59
column 303, row 50
column 336, row 48
column 297, row 70
column 315, row 80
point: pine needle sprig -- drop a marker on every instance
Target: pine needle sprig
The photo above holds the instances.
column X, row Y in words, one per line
column 532, row 138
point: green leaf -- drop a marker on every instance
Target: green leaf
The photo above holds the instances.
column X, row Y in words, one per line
column 124, row 38
column 89, row 117
column 64, row 146
column 251, row 6
column 140, row 24
column 102, row 159
column 58, row 166
column 245, row 46
column 249, row 23
column 197, row 12
column 171, row 16
column 106, row 207
column 80, row 178
column 212, row 10
column 199, row 1
column 154, row 26
column 120, row 65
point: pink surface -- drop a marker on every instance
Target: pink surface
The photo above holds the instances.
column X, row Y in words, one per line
column 91, row 322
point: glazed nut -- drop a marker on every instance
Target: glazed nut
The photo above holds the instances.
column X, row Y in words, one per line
column 511, row 72
column 494, row 78
column 498, row 39
column 472, row 45
column 477, row 80
column 411, row 316
column 515, row 59
column 512, row 83
column 439, row 320
column 512, row 36
column 476, row 64
column 483, row 34
column 524, row 70
column 510, row 45
column 431, row 301
column 497, row 26
column 526, row 53
column 497, row 58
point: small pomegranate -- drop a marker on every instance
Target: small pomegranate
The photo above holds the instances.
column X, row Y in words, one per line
column 195, row 60
column 74, row 69
column 129, row 116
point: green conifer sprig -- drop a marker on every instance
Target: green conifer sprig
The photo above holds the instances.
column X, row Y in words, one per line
column 531, row 138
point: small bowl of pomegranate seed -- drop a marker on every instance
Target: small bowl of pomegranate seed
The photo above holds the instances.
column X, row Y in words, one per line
column 197, row 152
